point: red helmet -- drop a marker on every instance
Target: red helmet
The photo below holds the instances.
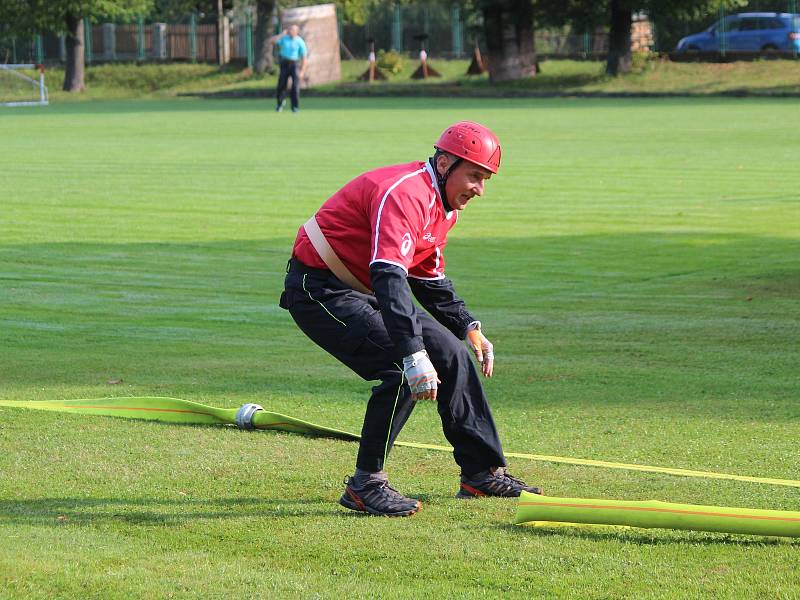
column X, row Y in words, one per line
column 472, row 142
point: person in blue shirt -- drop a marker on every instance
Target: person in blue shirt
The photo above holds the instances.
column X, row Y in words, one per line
column 292, row 52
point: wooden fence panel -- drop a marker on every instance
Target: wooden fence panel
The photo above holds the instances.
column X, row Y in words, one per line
column 179, row 42
column 98, row 45
column 207, row 43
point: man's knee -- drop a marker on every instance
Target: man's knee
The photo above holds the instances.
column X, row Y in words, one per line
column 391, row 379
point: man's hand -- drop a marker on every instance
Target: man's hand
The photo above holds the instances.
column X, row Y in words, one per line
column 421, row 376
column 482, row 348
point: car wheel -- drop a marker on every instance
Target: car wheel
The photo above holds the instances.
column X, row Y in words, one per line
column 694, row 53
column 769, row 50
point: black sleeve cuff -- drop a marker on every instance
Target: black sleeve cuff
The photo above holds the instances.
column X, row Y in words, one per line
column 407, row 347
column 397, row 308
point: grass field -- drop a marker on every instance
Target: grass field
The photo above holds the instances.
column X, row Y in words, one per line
column 636, row 263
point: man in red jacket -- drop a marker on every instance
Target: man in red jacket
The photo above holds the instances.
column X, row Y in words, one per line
column 348, row 286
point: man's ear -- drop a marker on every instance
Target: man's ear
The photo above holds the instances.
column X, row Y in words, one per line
column 442, row 163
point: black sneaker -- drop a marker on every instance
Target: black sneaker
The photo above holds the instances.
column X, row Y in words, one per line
column 377, row 497
column 494, row 482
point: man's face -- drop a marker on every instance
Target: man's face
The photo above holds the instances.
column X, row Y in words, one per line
column 465, row 182
column 294, row 30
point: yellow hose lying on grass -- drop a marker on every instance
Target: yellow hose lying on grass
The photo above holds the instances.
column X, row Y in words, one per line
column 544, row 510
column 252, row 416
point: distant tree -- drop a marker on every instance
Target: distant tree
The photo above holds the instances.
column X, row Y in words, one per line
column 356, row 11
column 352, row 11
column 26, row 17
column 170, row 10
column 581, row 15
column 508, row 28
column 264, row 11
column 619, row 59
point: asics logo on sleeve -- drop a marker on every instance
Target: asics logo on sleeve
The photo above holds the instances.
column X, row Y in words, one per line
column 405, row 246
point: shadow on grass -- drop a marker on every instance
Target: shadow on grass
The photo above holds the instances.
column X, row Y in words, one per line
column 155, row 511
column 564, row 83
column 644, row 537
column 563, row 86
column 202, row 318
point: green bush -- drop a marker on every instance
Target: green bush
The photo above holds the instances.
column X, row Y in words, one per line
column 147, row 77
column 642, row 61
column 390, row 61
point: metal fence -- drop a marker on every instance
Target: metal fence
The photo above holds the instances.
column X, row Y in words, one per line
column 444, row 30
column 443, row 27
column 188, row 40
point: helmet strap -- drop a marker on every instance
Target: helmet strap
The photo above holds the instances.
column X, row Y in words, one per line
column 441, row 180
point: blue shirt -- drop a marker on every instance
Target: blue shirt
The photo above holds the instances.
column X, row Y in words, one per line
column 291, row 48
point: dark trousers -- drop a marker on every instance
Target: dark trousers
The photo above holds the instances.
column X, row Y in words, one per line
column 348, row 325
column 289, row 69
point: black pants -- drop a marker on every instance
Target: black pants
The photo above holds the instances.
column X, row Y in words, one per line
column 289, row 69
column 348, row 325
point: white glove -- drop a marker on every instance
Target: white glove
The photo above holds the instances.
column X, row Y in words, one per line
column 421, row 376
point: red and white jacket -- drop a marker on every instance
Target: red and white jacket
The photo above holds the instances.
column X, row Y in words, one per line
column 386, row 226
column 392, row 215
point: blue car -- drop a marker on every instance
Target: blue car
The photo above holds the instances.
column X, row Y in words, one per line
column 753, row 32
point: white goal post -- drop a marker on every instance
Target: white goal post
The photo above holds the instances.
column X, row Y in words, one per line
column 20, row 86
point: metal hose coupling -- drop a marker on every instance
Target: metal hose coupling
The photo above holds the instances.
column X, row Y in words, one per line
column 244, row 416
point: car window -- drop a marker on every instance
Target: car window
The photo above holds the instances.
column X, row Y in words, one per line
column 771, row 24
column 797, row 22
column 749, row 24
column 730, row 24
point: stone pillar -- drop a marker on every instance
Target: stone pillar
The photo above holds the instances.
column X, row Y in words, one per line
column 319, row 28
column 109, row 41
column 241, row 40
column 159, row 41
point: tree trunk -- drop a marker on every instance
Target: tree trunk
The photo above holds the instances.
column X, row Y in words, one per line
column 508, row 26
column 264, row 10
column 74, row 70
column 619, row 38
column 220, row 33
